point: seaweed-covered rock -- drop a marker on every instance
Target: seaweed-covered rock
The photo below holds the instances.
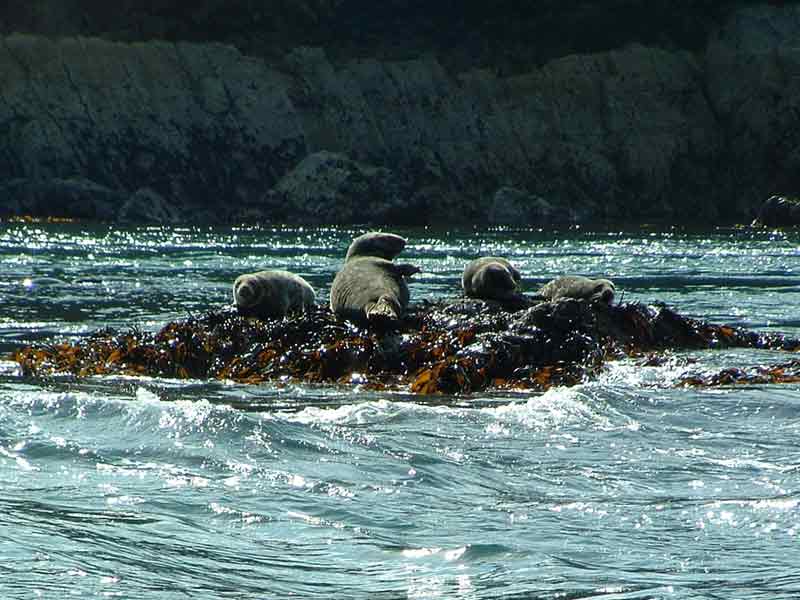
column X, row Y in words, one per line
column 449, row 346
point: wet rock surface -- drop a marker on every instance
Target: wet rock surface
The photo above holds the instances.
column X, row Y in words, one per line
column 452, row 346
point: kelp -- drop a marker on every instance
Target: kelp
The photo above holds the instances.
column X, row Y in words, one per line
column 450, row 346
column 787, row 372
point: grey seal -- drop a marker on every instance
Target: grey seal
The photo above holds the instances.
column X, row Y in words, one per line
column 491, row 278
column 371, row 288
column 576, row 286
column 272, row 294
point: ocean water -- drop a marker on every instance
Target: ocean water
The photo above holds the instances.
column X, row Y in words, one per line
column 622, row 488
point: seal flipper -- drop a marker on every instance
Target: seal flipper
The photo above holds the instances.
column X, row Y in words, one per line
column 406, row 270
column 384, row 311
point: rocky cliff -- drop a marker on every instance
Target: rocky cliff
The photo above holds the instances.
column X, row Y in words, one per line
column 398, row 116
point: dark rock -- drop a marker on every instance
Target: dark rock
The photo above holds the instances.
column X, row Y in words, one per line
column 328, row 187
column 148, row 206
column 512, row 206
column 449, row 346
column 73, row 198
column 617, row 120
column 778, row 211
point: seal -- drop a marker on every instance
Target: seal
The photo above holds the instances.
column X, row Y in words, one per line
column 371, row 288
column 582, row 288
column 272, row 294
column 491, row 278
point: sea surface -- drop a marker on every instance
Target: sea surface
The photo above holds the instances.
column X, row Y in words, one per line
column 626, row 487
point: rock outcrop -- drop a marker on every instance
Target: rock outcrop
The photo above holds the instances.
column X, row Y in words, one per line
column 327, row 187
column 212, row 132
column 450, row 346
column 778, row 211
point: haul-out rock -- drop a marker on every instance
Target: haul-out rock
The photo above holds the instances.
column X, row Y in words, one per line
column 451, row 346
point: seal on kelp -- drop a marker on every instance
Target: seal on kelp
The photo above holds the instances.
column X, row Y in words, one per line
column 582, row 288
column 272, row 294
column 491, row 278
column 371, row 288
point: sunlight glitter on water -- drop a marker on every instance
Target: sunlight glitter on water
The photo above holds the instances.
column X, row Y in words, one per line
column 623, row 487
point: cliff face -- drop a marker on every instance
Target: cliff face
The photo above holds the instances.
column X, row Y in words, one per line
column 697, row 121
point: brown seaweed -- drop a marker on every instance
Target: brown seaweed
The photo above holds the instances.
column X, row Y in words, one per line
column 452, row 346
column 787, row 372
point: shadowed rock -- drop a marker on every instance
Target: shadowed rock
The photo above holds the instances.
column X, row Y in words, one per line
column 322, row 132
column 778, row 211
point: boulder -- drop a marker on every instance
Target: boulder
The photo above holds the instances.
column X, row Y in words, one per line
column 329, row 187
column 512, row 206
column 72, row 198
column 778, row 211
column 148, row 206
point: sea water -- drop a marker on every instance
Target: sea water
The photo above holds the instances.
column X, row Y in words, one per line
column 625, row 487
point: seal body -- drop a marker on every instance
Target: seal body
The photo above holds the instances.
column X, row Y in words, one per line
column 491, row 278
column 371, row 288
column 582, row 288
column 272, row 294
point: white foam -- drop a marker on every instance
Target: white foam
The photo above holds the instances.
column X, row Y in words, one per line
column 10, row 368
column 363, row 412
column 553, row 409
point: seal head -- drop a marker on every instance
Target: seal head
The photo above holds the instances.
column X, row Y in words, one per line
column 491, row 278
column 376, row 243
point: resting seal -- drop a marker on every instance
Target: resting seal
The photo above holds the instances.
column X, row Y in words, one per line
column 491, row 278
column 272, row 294
column 582, row 288
column 370, row 288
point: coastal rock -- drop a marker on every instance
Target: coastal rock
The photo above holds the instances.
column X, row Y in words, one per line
column 148, row 206
column 201, row 125
column 619, row 131
column 511, row 206
column 449, row 346
column 328, row 187
column 76, row 198
column 752, row 68
column 778, row 211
